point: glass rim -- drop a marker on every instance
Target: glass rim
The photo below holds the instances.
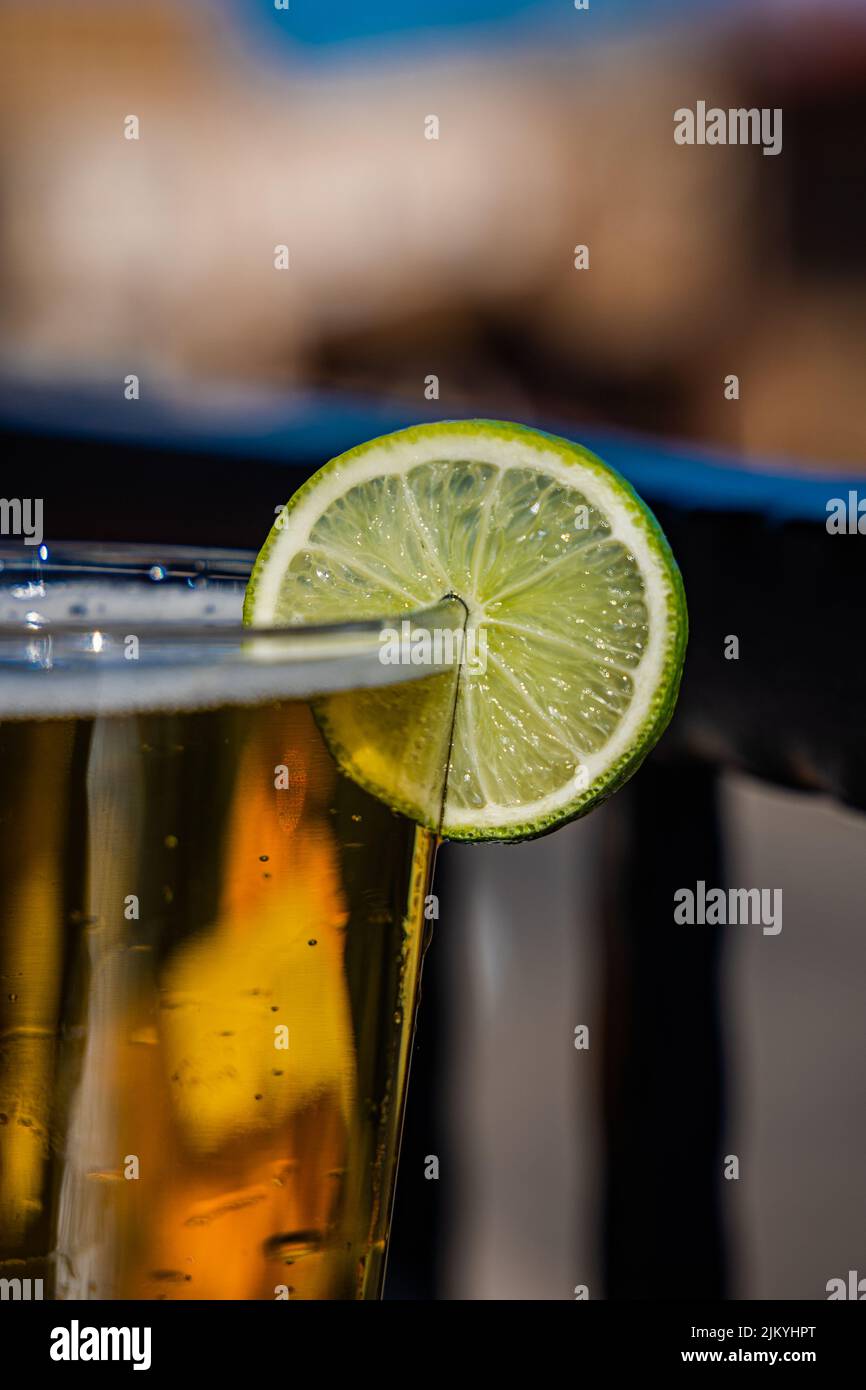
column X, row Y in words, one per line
column 135, row 559
column 111, row 661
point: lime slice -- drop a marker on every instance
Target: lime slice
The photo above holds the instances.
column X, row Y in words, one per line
column 576, row 618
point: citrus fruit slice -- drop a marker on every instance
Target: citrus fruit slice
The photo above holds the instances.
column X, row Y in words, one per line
column 575, row 614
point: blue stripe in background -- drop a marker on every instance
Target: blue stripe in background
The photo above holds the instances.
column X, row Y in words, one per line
column 305, row 429
column 312, row 25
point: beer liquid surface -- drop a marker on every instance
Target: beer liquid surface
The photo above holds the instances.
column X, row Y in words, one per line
column 209, row 952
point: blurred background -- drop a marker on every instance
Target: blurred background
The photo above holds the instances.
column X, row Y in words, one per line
column 433, row 278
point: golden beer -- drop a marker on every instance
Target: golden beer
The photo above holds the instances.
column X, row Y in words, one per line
column 210, row 943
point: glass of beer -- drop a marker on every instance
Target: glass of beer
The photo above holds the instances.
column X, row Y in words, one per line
column 210, row 938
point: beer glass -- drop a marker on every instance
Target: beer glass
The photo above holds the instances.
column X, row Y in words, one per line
column 210, row 938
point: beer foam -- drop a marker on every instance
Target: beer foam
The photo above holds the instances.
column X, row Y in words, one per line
column 192, row 650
